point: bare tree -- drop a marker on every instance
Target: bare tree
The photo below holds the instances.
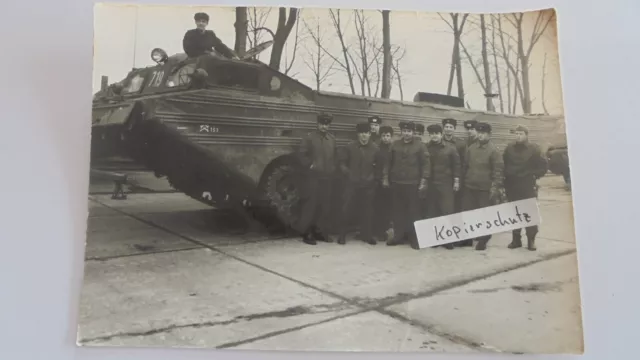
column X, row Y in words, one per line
column 488, row 93
column 514, row 70
column 316, row 60
column 457, row 26
column 241, row 26
column 485, row 81
column 285, row 25
column 368, row 54
column 386, row 51
column 290, row 60
column 345, row 64
column 539, row 28
column 396, row 56
column 495, row 63
column 257, row 18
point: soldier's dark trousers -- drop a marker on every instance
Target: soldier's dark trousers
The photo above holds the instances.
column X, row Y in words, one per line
column 316, row 208
column 476, row 199
column 521, row 189
column 423, row 207
column 382, row 211
column 405, row 210
column 457, row 205
column 358, row 201
column 440, row 200
column 459, row 196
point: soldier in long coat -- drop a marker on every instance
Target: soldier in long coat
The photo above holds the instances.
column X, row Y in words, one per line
column 407, row 172
column 318, row 155
column 444, row 182
column 482, row 172
column 357, row 163
column 448, row 136
column 382, row 202
column 524, row 163
column 472, row 137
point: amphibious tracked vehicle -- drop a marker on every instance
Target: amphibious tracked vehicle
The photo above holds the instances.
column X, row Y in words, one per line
column 225, row 131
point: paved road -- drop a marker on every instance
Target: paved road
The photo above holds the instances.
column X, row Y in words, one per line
column 164, row 270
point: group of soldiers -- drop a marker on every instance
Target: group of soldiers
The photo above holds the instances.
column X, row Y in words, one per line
column 390, row 184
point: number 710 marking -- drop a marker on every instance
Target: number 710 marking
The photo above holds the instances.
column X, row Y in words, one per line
column 156, row 78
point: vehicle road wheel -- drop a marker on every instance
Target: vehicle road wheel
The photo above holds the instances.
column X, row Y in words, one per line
column 282, row 187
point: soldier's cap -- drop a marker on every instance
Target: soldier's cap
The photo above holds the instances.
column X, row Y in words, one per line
column 470, row 124
column 201, row 16
column 386, row 130
column 449, row 121
column 434, row 129
column 363, row 128
column 419, row 129
column 408, row 125
column 325, row 118
column 375, row 119
column 483, row 127
column 522, row 128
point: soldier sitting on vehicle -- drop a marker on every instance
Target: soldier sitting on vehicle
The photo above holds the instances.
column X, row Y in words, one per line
column 200, row 41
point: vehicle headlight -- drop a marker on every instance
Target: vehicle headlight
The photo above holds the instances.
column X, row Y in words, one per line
column 158, row 55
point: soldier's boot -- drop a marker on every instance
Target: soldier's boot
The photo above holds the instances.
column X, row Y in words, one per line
column 449, row 246
column 308, row 239
column 371, row 241
column 482, row 243
column 397, row 240
column 516, row 242
column 531, row 237
column 342, row 239
column 319, row 236
column 413, row 242
column 464, row 243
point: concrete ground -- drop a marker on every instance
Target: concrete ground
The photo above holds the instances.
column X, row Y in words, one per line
column 164, row 270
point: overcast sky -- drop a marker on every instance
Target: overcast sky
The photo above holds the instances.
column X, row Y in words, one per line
column 124, row 36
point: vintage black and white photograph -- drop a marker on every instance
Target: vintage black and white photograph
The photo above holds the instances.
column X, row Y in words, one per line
column 259, row 177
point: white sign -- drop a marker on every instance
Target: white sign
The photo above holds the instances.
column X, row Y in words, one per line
column 471, row 224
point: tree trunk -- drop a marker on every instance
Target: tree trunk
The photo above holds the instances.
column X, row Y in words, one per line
column 386, row 50
column 282, row 33
column 241, row 31
column 524, row 65
column 485, row 64
column 452, row 71
column 459, row 68
column 456, row 59
column 495, row 63
column 508, row 91
column 454, row 18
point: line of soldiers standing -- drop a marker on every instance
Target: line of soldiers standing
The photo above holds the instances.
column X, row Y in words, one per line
column 390, row 184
